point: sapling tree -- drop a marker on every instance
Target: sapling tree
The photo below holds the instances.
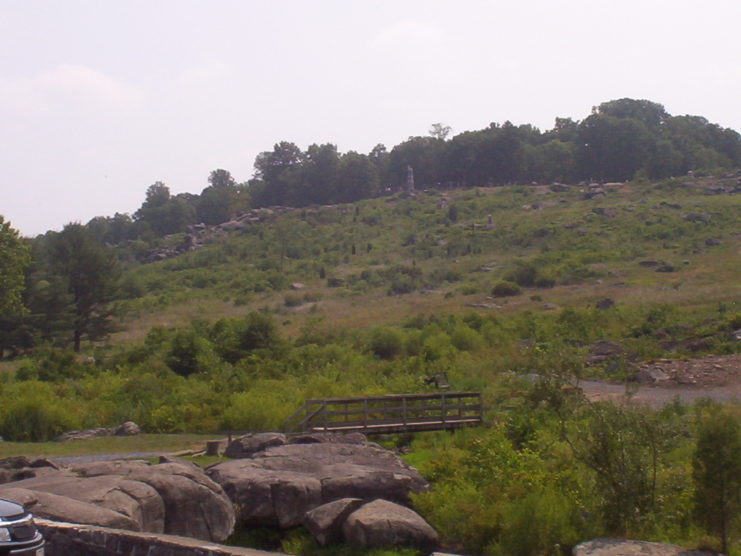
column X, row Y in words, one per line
column 716, row 468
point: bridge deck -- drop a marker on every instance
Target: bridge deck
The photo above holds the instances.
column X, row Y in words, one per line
column 389, row 414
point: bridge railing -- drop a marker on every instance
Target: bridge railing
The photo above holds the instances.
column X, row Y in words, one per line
column 392, row 413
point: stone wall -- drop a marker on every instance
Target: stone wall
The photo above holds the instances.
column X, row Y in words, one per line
column 64, row 539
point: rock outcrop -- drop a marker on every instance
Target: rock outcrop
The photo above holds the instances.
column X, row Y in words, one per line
column 129, row 428
column 17, row 468
column 381, row 523
column 280, row 484
column 325, row 522
column 174, row 498
column 249, row 444
column 194, row 505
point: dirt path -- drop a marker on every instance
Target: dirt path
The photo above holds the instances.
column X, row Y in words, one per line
column 717, row 377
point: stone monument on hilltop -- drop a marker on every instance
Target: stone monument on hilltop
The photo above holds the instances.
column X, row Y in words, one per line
column 409, row 184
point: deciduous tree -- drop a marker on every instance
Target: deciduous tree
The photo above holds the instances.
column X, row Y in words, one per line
column 716, row 468
column 14, row 258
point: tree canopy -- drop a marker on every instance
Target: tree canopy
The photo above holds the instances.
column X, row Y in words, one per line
column 90, row 274
column 14, row 257
column 619, row 140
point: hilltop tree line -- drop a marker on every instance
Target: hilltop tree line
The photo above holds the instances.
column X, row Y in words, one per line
column 620, row 140
column 59, row 286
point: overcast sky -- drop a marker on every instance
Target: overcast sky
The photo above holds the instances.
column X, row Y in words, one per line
column 99, row 99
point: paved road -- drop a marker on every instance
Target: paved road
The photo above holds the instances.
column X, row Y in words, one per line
column 658, row 396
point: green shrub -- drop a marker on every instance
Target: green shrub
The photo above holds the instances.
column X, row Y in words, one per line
column 506, row 289
column 468, row 289
column 35, row 414
column 734, row 322
column 544, row 281
column 386, row 343
column 188, row 353
column 292, row 300
column 466, row 339
column 536, row 523
column 262, row 409
column 52, row 364
column 401, row 285
column 524, row 274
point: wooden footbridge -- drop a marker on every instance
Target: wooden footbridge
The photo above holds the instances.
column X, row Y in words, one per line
column 388, row 414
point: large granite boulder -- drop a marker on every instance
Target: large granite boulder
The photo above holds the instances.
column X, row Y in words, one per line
column 61, row 508
column 194, row 505
column 129, row 428
column 16, row 468
column 135, row 501
column 625, row 547
column 382, row 523
column 278, row 485
column 267, row 497
column 325, row 522
column 173, row 498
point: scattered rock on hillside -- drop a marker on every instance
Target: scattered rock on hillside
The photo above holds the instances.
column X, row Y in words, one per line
column 594, row 193
column 604, row 304
column 607, row 212
column 381, row 523
column 624, row 547
column 84, row 434
column 697, row 217
column 129, row 428
column 690, row 344
column 712, row 242
column 650, row 375
column 603, row 350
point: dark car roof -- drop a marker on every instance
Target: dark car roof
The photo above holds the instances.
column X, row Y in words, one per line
column 10, row 509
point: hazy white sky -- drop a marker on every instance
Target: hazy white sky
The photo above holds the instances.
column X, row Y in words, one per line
column 99, row 99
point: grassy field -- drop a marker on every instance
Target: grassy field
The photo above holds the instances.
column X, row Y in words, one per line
column 107, row 445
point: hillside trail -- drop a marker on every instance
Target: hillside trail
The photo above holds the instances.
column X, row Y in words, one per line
column 717, row 377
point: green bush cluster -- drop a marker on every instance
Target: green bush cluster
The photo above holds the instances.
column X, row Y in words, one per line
column 506, row 289
column 553, row 471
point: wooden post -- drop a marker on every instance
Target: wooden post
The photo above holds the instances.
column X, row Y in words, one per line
column 365, row 414
column 444, row 410
column 404, row 412
column 213, row 447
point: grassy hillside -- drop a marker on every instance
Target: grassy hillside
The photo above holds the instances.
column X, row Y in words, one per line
column 384, row 260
